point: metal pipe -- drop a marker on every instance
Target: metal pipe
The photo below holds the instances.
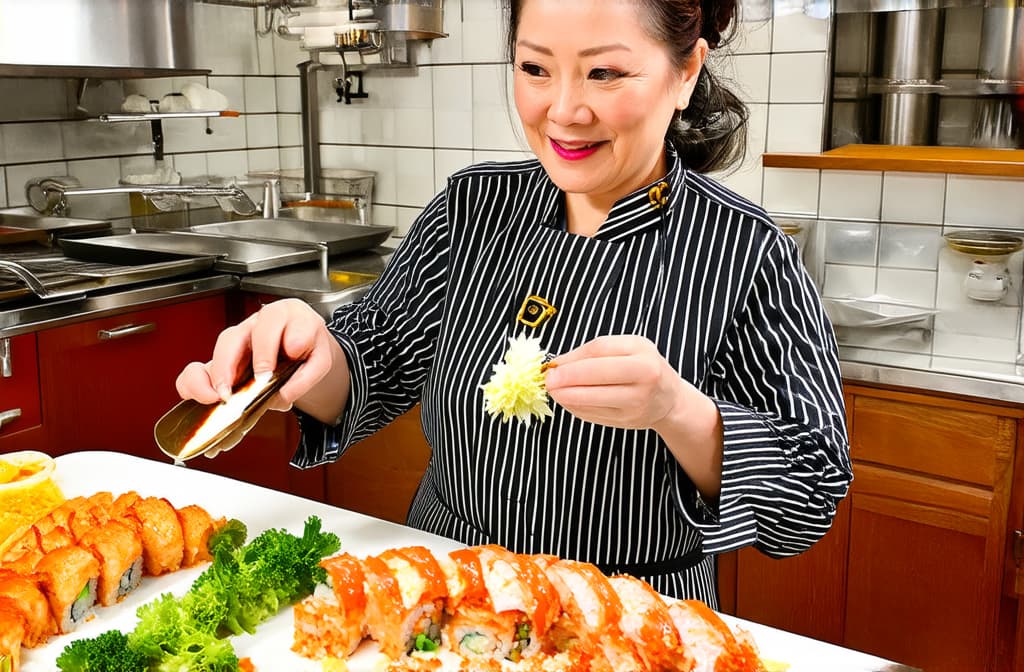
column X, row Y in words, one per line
column 308, row 91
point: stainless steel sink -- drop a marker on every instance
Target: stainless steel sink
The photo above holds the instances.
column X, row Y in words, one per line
column 59, row 225
column 318, row 214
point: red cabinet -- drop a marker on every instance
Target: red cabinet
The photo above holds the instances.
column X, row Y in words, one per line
column 20, row 416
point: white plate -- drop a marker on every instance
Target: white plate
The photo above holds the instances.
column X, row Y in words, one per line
column 261, row 509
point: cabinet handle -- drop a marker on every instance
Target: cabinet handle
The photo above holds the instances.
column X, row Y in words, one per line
column 126, row 330
column 5, row 358
column 8, row 416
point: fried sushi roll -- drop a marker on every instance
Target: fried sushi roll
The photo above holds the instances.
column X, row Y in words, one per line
column 710, row 641
column 196, row 527
column 119, row 550
column 646, row 622
column 592, row 612
column 26, row 593
column 13, row 630
column 70, row 577
column 163, row 544
column 332, row 621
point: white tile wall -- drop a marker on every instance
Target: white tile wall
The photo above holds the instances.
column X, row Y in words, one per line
column 853, row 194
column 791, row 190
column 987, row 202
column 42, row 134
column 914, row 197
column 798, row 78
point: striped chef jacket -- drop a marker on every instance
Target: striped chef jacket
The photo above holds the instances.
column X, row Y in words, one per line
column 699, row 271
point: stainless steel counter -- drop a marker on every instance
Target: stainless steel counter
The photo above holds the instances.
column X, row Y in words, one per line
column 54, row 313
column 986, row 387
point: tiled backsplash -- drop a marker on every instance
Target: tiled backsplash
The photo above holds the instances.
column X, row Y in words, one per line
column 877, row 234
column 42, row 133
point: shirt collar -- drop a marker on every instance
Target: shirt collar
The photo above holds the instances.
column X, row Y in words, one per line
column 635, row 213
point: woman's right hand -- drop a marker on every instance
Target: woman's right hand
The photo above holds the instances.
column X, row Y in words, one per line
column 286, row 329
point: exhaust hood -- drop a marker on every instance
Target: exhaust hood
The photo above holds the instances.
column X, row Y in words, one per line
column 97, row 38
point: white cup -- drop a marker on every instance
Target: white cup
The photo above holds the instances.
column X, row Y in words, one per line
column 987, row 280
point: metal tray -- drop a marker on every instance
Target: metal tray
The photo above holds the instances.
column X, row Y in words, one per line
column 51, row 272
column 230, row 255
column 19, row 228
column 338, row 237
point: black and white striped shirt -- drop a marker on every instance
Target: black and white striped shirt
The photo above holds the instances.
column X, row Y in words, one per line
column 707, row 277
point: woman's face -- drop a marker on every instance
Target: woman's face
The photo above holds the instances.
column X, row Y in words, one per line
column 596, row 94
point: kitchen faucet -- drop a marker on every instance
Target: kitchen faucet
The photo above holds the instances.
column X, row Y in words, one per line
column 49, row 195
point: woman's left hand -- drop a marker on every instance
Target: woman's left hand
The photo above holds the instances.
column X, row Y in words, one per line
column 618, row 381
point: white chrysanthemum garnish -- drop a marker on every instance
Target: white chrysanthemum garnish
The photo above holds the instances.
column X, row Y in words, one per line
column 516, row 389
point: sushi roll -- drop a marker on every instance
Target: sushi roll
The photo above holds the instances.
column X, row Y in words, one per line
column 510, row 617
column 710, row 641
column 592, row 613
column 13, row 629
column 25, row 592
column 70, row 576
column 119, row 551
column 163, row 544
column 196, row 527
column 332, row 621
column 646, row 622
column 413, row 585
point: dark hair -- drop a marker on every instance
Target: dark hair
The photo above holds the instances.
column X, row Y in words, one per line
column 711, row 133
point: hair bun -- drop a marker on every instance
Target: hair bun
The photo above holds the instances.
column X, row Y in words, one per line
column 716, row 17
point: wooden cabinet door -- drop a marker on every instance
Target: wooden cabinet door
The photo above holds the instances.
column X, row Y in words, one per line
column 105, row 382
column 928, row 530
column 803, row 594
column 379, row 475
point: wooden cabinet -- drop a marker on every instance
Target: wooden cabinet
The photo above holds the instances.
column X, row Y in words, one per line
column 379, row 475
column 918, row 567
column 20, row 415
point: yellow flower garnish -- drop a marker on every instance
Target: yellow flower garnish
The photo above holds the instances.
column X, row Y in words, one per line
column 516, row 389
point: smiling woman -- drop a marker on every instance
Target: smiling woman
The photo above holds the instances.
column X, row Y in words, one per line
column 695, row 399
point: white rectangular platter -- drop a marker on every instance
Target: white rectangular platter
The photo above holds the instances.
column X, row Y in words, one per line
column 260, row 509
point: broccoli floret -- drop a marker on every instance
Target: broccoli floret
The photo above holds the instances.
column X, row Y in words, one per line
column 108, row 652
column 232, row 535
column 201, row 652
column 160, row 627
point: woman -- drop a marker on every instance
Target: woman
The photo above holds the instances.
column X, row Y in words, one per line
column 697, row 398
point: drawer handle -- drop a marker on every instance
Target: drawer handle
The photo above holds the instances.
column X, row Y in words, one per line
column 125, row 331
column 9, row 416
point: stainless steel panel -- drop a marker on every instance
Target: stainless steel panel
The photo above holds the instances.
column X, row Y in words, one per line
column 232, row 255
column 1001, row 34
column 417, row 19
column 83, row 37
column 912, row 50
column 907, row 119
column 337, row 237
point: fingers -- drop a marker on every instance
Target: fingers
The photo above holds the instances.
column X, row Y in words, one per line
column 194, row 383
column 606, row 346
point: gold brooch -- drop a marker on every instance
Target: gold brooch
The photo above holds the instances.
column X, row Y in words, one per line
column 535, row 311
column 658, row 194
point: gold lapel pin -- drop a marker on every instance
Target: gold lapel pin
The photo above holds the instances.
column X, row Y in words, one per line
column 535, row 310
column 658, row 195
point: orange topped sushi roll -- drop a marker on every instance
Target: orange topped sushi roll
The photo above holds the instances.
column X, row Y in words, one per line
column 646, row 621
column 163, row 544
column 69, row 578
column 26, row 593
column 332, row 621
column 710, row 641
column 592, row 613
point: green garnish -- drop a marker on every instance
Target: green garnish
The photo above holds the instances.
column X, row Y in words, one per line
column 83, row 594
column 5, row 664
column 425, row 643
column 522, row 631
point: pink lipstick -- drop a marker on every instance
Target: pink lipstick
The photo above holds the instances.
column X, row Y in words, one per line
column 575, row 154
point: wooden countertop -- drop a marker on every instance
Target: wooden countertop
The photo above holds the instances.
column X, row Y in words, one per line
column 959, row 160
